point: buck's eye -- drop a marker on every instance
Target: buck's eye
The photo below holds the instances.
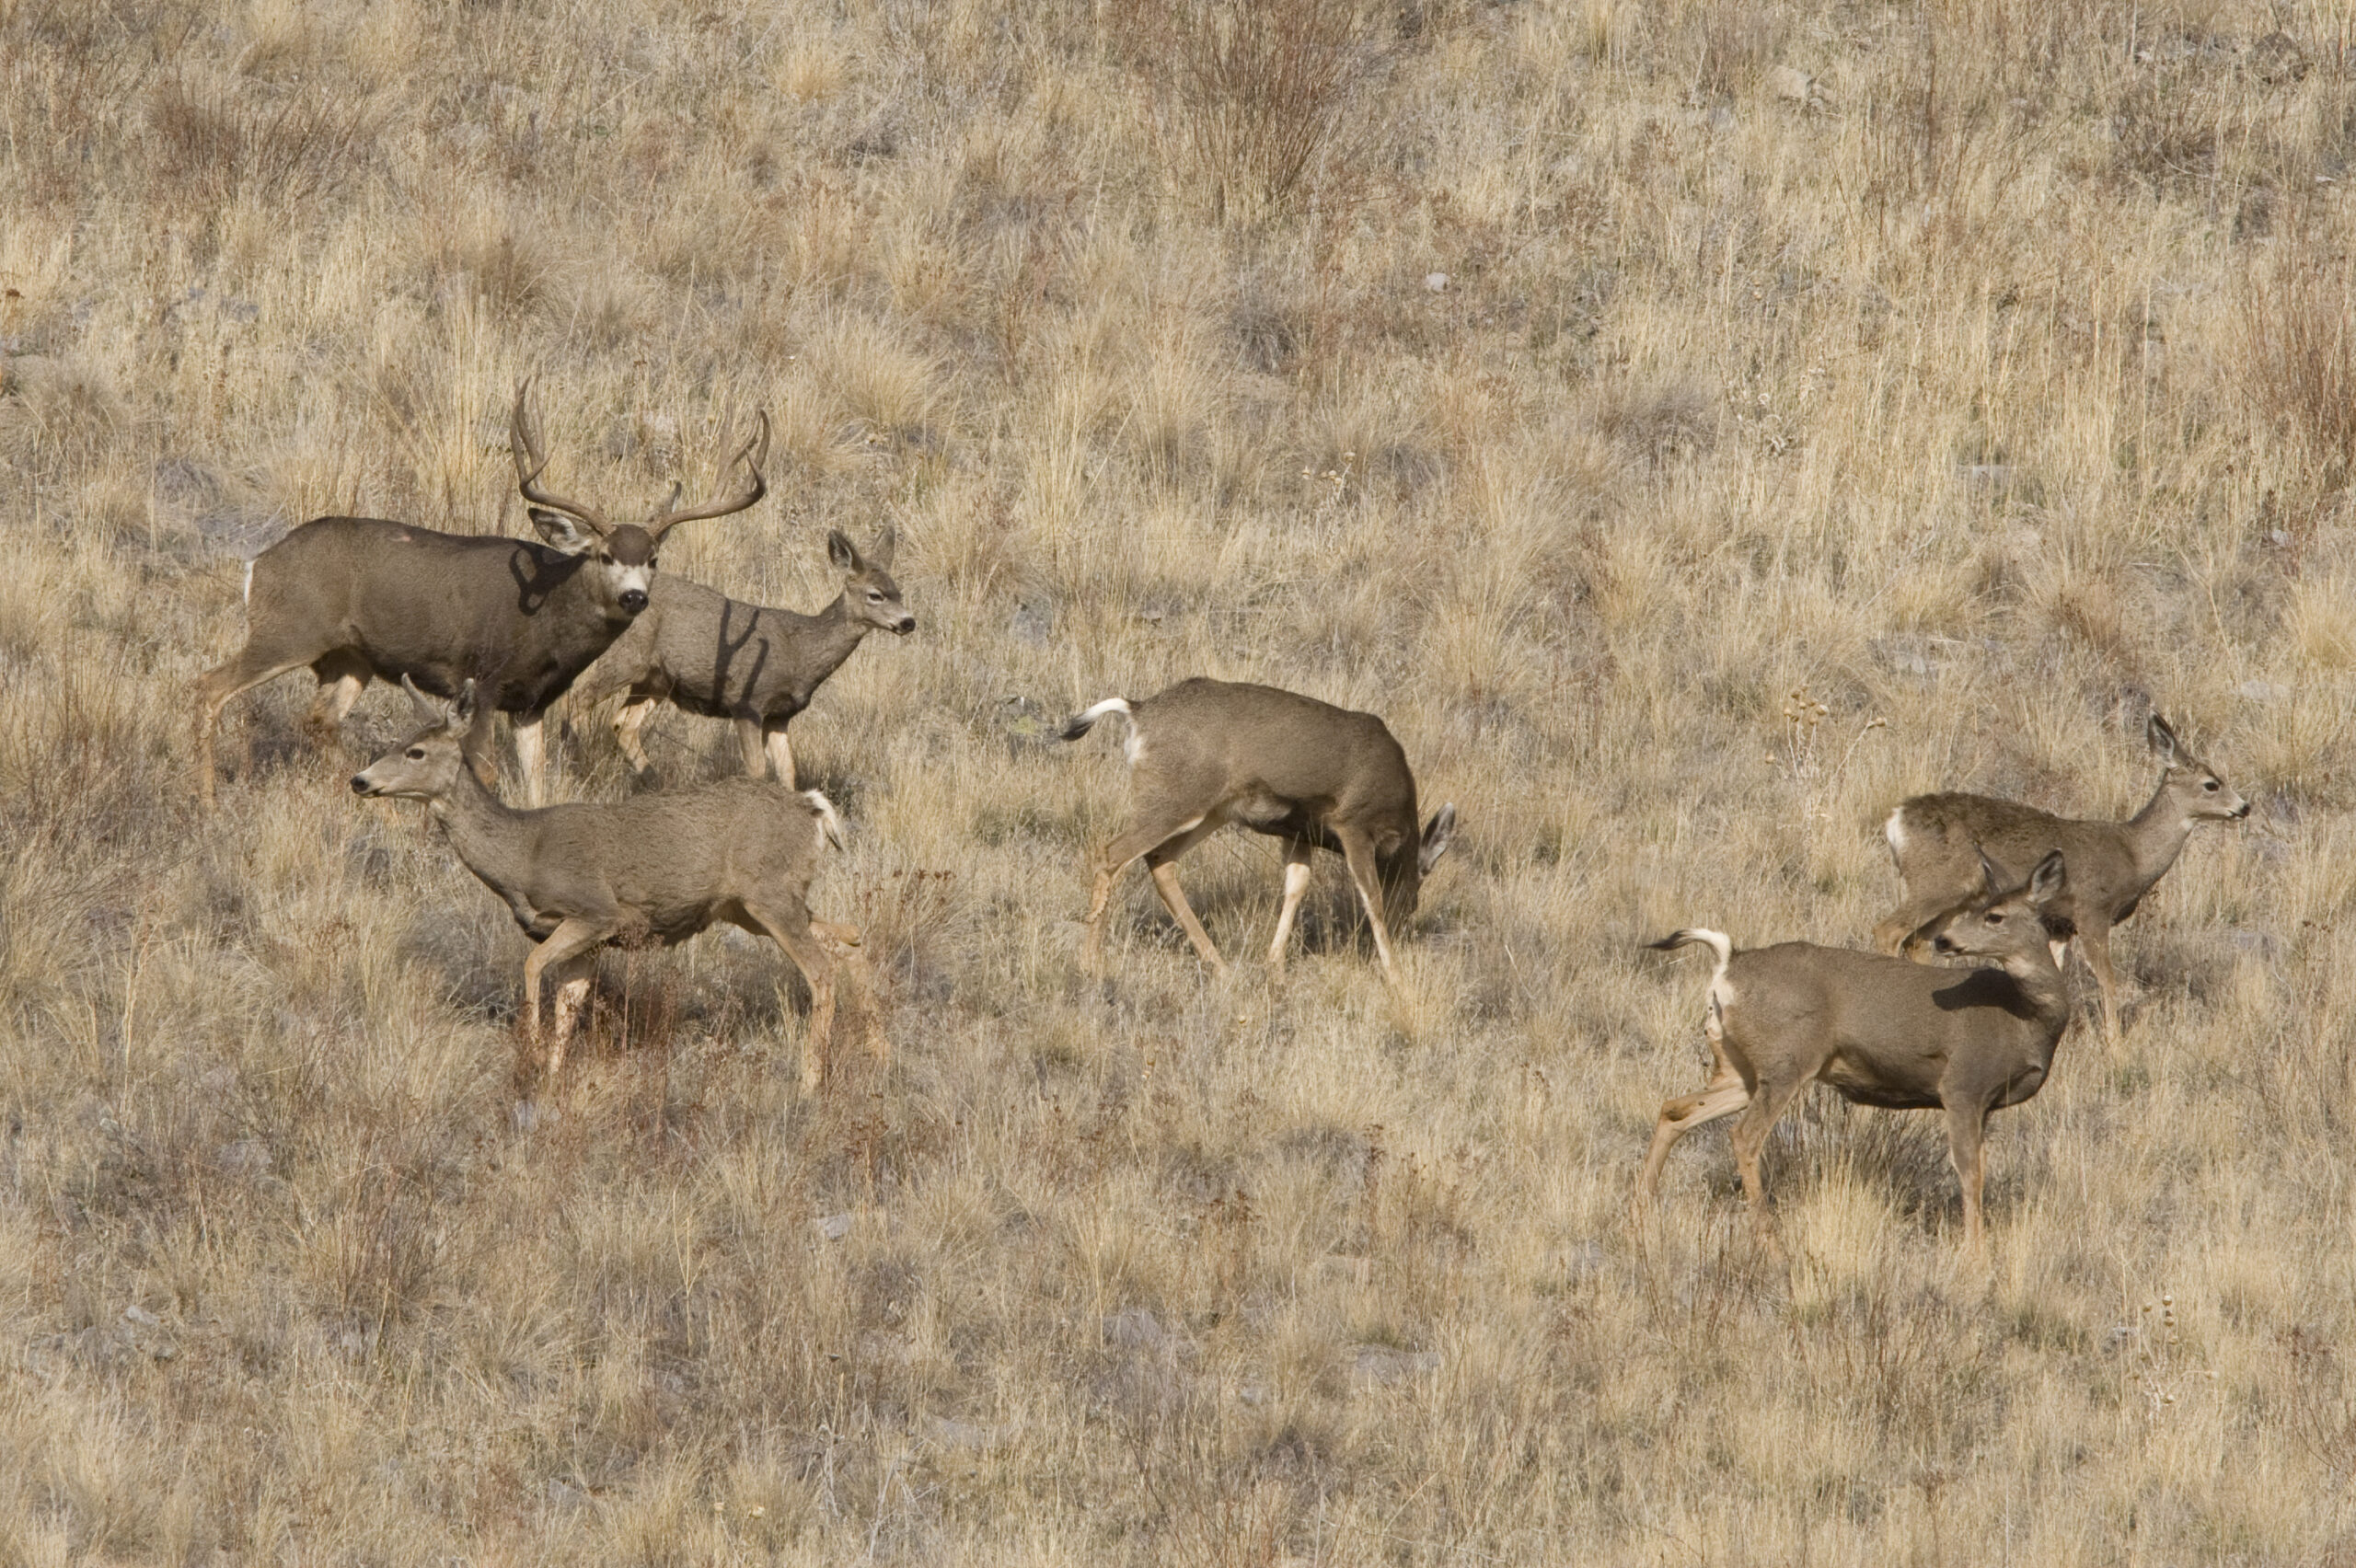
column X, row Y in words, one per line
column 2209, row 785
column 417, row 754
column 1994, row 919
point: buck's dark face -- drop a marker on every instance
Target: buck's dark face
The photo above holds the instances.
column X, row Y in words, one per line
column 626, row 559
column 622, row 557
column 867, row 581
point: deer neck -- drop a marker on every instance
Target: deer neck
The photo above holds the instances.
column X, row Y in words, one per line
column 2156, row 837
column 2042, row 986
column 483, row 830
column 839, row 629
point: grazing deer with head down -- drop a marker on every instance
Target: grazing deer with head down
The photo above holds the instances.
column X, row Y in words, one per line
column 359, row 597
column 1937, row 841
column 1881, row 1031
column 656, row 867
column 1203, row 754
column 712, row 655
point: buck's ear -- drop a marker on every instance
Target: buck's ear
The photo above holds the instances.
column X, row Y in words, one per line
column 1438, row 833
column 463, row 714
column 1991, row 881
column 560, row 530
column 843, row 553
column 2162, row 740
column 2047, row 882
column 886, row 546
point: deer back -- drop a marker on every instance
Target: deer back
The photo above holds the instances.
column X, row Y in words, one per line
column 1206, row 743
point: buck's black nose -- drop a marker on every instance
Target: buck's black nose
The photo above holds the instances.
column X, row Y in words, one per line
column 634, row 601
column 907, row 625
column 359, row 784
column 2243, row 812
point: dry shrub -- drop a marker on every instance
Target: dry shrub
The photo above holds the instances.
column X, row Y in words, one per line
column 215, row 141
column 58, row 417
column 2298, row 358
column 1258, row 98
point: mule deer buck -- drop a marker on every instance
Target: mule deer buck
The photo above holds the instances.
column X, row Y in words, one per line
column 1203, row 754
column 356, row 597
column 712, row 655
column 1882, row 1031
column 657, row 868
column 1937, row 841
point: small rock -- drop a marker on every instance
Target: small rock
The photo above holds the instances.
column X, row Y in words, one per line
column 565, row 1497
column 1031, row 624
column 1436, row 281
column 2264, row 946
column 1993, row 477
column 1791, row 84
column 1380, row 1364
column 2263, row 691
column 965, row 1435
column 2277, row 58
column 1722, row 119
column 141, row 1316
column 524, row 1116
column 834, row 1227
column 246, row 1156
column 2280, row 538
column 1135, row 1328
column 1023, row 719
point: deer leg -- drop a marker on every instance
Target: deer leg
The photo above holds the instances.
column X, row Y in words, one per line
column 748, row 741
column 342, row 677
column 1723, row 1094
column 2094, row 942
column 213, row 690
column 629, row 720
column 1750, row 1139
column 1114, row 859
column 573, row 980
column 572, row 939
column 781, row 752
column 1297, row 853
column 1359, row 852
column 792, row 932
column 1968, row 1152
column 1173, row 898
column 531, row 757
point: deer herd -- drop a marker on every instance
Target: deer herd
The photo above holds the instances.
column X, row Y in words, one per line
column 1959, row 1010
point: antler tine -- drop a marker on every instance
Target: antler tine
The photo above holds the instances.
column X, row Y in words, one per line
column 529, row 461
column 754, row 453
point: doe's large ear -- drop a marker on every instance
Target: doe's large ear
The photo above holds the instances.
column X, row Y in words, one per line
column 560, row 530
column 2047, row 882
column 428, row 710
column 1436, row 835
column 843, row 553
column 1991, row 881
column 2161, row 739
column 463, row 714
column 886, row 546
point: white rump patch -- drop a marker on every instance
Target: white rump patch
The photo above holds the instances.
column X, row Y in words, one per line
column 831, row 822
column 1133, row 747
column 247, row 592
column 1895, row 831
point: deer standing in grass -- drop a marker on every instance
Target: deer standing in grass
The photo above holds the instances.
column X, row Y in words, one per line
column 657, row 868
column 1937, row 841
column 1203, row 754
column 359, row 597
column 712, row 655
column 1880, row 1031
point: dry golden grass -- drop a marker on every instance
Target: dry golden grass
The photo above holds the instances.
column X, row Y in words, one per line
column 1979, row 368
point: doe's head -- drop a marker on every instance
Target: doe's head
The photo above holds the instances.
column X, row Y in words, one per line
column 875, row 597
column 2004, row 923
column 2191, row 783
column 1403, row 866
column 424, row 767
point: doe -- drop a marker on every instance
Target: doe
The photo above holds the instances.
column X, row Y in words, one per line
column 1882, row 1031
column 656, row 867
column 1937, row 841
column 1203, row 754
column 712, row 655
column 360, row 598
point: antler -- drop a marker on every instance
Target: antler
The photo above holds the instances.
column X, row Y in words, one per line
column 755, row 452
column 529, row 462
